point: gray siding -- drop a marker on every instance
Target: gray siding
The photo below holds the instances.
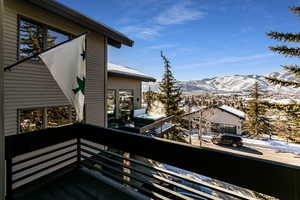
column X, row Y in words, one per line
column 30, row 84
column 2, row 159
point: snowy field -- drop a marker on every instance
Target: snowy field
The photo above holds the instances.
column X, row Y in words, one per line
column 275, row 143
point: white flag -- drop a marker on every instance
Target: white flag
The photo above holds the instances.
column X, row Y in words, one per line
column 67, row 64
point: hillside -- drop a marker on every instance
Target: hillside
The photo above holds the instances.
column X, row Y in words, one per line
column 235, row 84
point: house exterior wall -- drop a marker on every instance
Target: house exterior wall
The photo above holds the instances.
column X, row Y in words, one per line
column 216, row 115
column 30, row 85
column 2, row 138
column 118, row 83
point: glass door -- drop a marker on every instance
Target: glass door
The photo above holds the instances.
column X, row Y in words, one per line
column 126, row 104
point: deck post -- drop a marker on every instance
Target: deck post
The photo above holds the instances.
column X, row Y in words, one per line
column 78, row 152
column 9, row 184
column 2, row 137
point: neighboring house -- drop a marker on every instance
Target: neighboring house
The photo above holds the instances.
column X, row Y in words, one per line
column 124, row 91
column 33, row 100
column 220, row 119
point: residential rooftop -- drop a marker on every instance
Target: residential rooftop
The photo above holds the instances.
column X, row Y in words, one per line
column 128, row 72
column 233, row 111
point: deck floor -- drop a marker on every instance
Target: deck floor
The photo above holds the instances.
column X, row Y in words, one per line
column 74, row 185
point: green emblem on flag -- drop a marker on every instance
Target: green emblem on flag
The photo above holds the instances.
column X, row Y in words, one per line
column 81, row 86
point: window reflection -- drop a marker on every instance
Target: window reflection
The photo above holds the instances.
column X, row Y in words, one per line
column 31, row 120
column 54, row 38
column 126, row 104
column 35, row 37
column 111, row 104
column 31, row 39
column 58, row 116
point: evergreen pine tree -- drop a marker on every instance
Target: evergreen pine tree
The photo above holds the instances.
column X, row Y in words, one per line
column 171, row 96
column 293, row 124
column 256, row 123
column 292, row 119
column 287, row 51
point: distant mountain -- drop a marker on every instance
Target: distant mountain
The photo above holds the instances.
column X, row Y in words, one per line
column 235, row 84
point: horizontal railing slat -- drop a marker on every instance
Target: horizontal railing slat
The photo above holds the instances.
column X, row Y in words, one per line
column 197, row 182
column 43, row 169
column 143, row 172
column 164, row 189
column 244, row 171
column 43, row 154
column 110, row 175
column 43, row 161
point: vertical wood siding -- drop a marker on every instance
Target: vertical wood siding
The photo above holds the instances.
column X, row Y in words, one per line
column 30, row 85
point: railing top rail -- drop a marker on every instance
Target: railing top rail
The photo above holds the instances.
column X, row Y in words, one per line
column 28, row 142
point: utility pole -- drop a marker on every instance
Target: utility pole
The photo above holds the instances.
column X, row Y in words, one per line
column 2, row 137
column 190, row 122
column 199, row 129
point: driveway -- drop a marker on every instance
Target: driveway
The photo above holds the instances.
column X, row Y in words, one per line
column 257, row 152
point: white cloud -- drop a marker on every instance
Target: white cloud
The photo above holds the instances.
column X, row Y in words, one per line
column 235, row 59
column 168, row 13
column 178, row 14
column 162, row 46
column 141, row 31
column 230, row 59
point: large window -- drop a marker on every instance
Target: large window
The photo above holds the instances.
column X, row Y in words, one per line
column 31, row 120
column 35, row 37
column 39, row 118
column 58, row 116
column 126, row 104
column 111, row 104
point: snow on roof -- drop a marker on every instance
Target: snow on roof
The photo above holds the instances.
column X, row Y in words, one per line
column 128, row 72
column 234, row 111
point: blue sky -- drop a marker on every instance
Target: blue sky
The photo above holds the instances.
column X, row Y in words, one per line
column 201, row 38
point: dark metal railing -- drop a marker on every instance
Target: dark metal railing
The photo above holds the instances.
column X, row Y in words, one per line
column 30, row 156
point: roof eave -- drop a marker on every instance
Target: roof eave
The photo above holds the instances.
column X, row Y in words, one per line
column 115, row 38
column 144, row 79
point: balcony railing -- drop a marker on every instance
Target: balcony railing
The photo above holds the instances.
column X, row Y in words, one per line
column 158, row 127
column 132, row 162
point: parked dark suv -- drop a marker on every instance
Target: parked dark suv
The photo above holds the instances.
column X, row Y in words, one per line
column 231, row 140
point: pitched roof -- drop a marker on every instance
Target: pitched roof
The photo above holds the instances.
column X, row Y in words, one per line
column 115, row 38
column 122, row 71
column 225, row 108
column 236, row 112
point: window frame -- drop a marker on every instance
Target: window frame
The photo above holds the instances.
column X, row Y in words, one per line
column 45, row 28
column 115, row 103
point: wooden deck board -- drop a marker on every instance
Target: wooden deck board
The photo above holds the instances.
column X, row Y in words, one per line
column 74, row 185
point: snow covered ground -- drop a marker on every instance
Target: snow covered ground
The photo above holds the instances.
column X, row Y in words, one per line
column 242, row 191
column 276, row 143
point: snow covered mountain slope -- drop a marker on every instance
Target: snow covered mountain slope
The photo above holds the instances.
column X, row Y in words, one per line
column 231, row 84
